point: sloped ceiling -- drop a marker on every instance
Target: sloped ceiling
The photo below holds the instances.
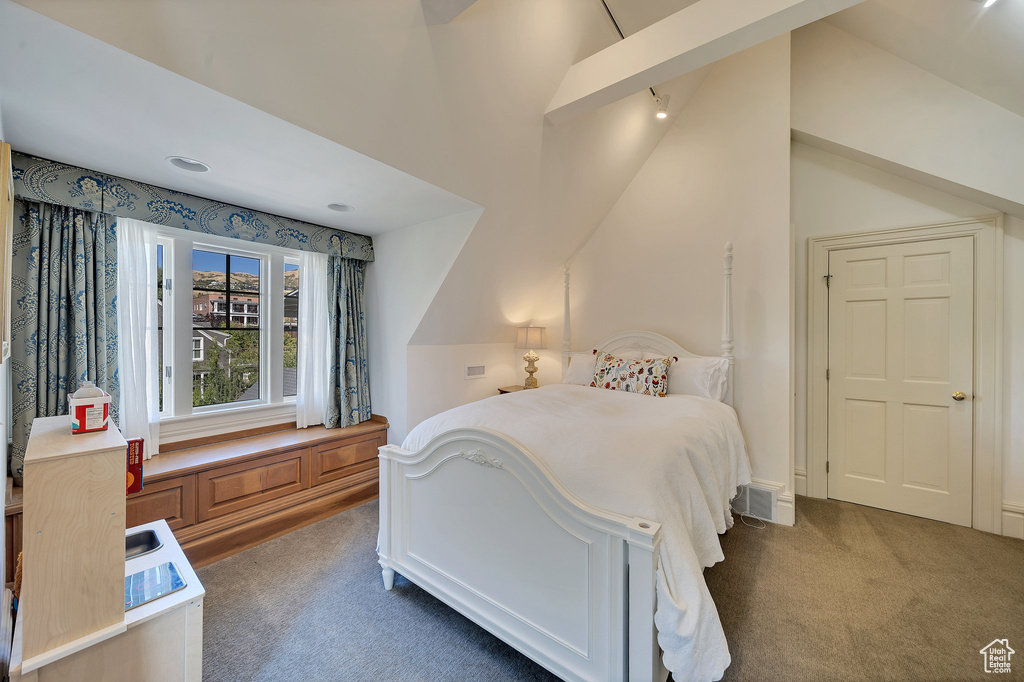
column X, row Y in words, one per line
column 979, row 49
column 633, row 16
column 460, row 105
column 72, row 98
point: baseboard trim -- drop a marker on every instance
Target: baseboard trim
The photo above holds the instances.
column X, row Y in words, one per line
column 800, row 481
column 1013, row 520
column 785, row 510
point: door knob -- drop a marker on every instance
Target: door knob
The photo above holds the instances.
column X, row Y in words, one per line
column 959, row 395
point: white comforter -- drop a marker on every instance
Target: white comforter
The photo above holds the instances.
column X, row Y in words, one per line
column 676, row 460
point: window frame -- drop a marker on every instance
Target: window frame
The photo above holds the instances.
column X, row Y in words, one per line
column 179, row 419
column 266, row 395
column 288, row 260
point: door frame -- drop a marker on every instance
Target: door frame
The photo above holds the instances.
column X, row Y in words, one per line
column 987, row 233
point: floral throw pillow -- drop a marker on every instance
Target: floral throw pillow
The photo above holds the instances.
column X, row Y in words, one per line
column 647, row 377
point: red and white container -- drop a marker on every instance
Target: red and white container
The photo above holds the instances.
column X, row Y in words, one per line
column 89, row 407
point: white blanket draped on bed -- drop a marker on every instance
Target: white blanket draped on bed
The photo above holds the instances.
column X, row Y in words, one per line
column 677, row 460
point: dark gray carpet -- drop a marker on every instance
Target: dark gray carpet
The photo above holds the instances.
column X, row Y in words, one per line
column 311, row 606
column 850, row 593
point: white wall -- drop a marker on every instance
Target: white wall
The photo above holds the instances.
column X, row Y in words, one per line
column 1013, row 367
column 832, row 195
column 410, row 266
column 429, row 395
column 5, row 370
column 721, row 173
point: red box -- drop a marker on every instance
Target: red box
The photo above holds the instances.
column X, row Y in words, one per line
column 134, row 473
column 89, row 414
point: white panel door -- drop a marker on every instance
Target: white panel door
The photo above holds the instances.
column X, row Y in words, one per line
column 901, row 334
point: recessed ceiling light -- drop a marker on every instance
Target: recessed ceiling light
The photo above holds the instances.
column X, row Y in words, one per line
column 191, row 165
column 341, row 208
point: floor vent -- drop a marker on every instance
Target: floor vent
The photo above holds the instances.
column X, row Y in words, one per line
column 476, row 371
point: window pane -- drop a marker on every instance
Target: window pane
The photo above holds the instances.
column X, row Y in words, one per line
column 245, row 274
column 160, row 322
column 225, row 328
column 291, row 328
column 244, row 312
column 209, row 309
column 230, row 369
column 209, row 270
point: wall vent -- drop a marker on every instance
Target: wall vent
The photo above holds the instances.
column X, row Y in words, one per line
column 761, row 503
column 476, row 371
column 755, row 501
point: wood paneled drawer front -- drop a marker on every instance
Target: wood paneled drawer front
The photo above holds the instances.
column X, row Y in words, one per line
column 173, row 500
column 227, row 489
column 341, row 458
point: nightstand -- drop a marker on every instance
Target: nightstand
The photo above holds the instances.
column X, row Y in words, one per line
column 510, row 389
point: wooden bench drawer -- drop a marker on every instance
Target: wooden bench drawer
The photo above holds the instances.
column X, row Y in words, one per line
column 335, row 460
column 227, row 489
column 173, row 500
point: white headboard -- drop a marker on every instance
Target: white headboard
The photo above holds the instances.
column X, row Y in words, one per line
column 646, row 342
column 656, row 344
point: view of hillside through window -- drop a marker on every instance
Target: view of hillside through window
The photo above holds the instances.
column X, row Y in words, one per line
column 225, row 328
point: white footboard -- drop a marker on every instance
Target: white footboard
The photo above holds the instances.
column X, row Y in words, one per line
column 478, row 521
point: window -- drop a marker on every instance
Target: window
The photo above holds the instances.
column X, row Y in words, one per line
column 230, row 372
column 216, row 347
column 291, row 327
column 160, row 321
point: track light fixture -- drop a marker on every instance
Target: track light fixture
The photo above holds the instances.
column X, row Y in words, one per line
column 662, row 102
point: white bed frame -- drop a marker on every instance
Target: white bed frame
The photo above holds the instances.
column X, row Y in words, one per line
column 481, row 523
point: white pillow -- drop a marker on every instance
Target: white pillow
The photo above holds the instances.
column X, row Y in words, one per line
column 581, row 369
column 704, row 377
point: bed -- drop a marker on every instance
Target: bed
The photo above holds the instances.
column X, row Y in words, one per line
column 575, row 522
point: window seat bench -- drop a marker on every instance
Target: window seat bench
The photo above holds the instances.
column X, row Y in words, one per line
column 223, row 498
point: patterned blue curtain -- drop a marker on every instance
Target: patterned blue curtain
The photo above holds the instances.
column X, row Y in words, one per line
column 349, row 383
column 64, row 317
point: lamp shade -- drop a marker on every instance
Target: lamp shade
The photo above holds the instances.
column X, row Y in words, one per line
column 530, row 338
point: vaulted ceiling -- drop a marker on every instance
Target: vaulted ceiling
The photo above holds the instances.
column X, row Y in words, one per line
column 81, row 101
column 980, row 49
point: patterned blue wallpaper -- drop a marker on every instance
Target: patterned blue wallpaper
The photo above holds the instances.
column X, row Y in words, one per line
column 37, row 179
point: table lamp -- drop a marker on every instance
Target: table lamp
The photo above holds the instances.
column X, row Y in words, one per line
column 529, row 338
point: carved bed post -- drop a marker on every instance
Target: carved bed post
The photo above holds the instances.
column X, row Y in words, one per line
column 727, row 345
column 565, row 324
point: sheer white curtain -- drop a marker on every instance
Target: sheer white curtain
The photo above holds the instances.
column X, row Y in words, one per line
column 137, row 333
column 314, row 343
